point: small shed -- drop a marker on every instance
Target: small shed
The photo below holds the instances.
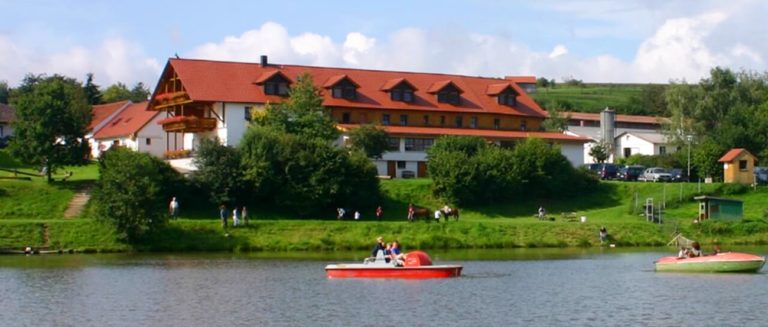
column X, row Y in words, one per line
column 738, row 166
column 719, row 208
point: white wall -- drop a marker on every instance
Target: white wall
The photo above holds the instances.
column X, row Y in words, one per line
column 231, row 131
column 5, row 129
column 639, row 146
column 574, row 152
column 155, row 133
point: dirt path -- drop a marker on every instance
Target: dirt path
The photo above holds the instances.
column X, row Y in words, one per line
column 77, row 203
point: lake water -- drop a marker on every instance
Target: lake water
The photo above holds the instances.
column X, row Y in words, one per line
column 596, row 287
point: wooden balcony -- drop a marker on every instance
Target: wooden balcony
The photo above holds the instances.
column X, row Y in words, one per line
column 188, row 124
column 165, row 100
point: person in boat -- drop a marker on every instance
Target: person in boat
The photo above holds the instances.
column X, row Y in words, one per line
column 397, row 255
column 380, row 246
column 694, row 251
column 716, row 250
column 388, row 252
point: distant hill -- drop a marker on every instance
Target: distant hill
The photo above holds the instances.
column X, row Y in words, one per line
column 631, row 99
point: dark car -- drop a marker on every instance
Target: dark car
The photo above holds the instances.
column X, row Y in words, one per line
column 678, row 175
column 630, row 173
column 761, row 175
column 609, row 171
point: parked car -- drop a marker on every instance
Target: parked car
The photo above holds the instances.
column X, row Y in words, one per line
column 761, row 175
column 678, row 175
column 656, row 174
column 608, row 171
column 630, row 173
column 593, row 167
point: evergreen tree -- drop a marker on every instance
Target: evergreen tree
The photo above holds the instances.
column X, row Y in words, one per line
column 52, row 119
column 139, row 93
column 5, row 92
column 116, row 92
column 92, row 93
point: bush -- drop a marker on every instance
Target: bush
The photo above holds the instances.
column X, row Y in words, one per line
column 131, row 191
column 733, row 188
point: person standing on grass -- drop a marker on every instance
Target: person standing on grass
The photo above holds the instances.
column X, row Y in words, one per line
column 173, row 208
column 244, row 213
column 223, row 216
column 379, row 213
column 357, row 215
column 235, row 218
column 411, row 211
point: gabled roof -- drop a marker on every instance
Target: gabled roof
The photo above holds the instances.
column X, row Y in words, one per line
column 268, row 75
column 390, row 84
column 102, row 112
column 333, row 80
column 7, row 113
column 127, row 122
column 221, row 81
column 496, row 89
column 652, row 137
column 733, row 154
column 437, row 86
column 522, row 79
column 485, row 133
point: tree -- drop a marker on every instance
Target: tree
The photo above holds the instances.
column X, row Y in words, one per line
column 219, row 170
column 372, row 140
column 600, row 152
column 542, row 82
column 92, row 93
column 5, row 92
column 556, row 121
column 302, row 113
column 119, row 92
column 139, row 93
column 129, row 190
column 52, row 120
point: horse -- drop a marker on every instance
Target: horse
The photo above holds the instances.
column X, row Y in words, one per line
column 454, row 212
column 420, row 213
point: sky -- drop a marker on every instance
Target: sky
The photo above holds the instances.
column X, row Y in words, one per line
column 628, row 41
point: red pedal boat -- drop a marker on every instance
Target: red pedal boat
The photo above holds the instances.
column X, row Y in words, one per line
column 417, row 265
column 721, row 262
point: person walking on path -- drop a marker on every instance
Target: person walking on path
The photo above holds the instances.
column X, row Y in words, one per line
column 411, row 211
column 244, row 214
column 223, row 216
column 379, row 213
column 235, row 218
column 173, row 208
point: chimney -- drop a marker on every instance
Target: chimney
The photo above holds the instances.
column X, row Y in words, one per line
column 264, row 62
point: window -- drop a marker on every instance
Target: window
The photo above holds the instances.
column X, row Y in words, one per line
column 402, row 93
column 345, row 118
column 404, row 120
column 507, row 98
column 473, row 122
column 344, row 89
column 116, row 142
column 418, row 144
column 276, row 88
column 449, row 94
column 385, row 119
column 523, row 125
column 148, row 141
column 662, row 150
column 425, row 121
column 496, row 123
column 442, row 120
column 248, row 113
column 401, row 164
column 394, row 144
column 627, row 152
column 459, row 121
column 742, row 165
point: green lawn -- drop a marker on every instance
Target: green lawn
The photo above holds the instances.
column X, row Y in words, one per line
column 590, row 97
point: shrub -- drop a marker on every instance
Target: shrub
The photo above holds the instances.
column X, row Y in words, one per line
column 733, row 188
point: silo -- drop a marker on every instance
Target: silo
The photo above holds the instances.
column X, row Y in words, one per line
column 608, row 128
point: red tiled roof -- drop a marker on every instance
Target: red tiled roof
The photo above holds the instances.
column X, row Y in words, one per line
column 7, row 113
column 733, row 154
column 619, row 118
column 338, row 78
column 486, row 133
column 127, row 122
column 267, row 75
column 216, row 81
column 103, row 111
column 390, row 84
column 437, row 86
column 496, row 89
column 522, row 79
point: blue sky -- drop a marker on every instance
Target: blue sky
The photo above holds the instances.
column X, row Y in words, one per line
column 596, row 41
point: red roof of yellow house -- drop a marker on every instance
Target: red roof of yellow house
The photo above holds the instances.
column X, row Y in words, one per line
column 127, row 122
column 485, row 133
column 221, row 81
column 733, row 154
column 103, row 111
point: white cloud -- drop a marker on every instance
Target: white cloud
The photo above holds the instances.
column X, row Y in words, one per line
column 558, row 51
column 356, row 45
column 114, row 60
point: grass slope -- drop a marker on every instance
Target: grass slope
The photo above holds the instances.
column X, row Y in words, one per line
column 590, row 97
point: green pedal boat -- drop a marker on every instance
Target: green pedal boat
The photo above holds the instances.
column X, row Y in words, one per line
column 721, row 262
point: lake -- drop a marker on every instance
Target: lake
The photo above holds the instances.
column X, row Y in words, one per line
column 522, row 287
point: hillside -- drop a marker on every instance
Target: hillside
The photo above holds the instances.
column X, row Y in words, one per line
column 633, row 99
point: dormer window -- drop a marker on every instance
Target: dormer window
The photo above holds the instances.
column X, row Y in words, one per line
column 403, row 94
column 342, row 87
column 399, row 90
column 274, row 83
column 446, row 92
column 505, row 94
column 508, row 98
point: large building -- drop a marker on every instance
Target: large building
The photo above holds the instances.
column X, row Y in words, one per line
column 205, row 99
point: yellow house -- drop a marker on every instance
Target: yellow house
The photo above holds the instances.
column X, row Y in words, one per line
column 738, row 166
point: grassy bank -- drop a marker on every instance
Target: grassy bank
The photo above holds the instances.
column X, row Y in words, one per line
column 590, row 97
column 31, row 215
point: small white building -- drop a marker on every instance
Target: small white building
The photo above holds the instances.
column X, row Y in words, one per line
column 631, row 143
column 133, row 127
column 7, row 116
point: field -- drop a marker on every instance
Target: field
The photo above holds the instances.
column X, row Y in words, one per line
column 590, row 97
